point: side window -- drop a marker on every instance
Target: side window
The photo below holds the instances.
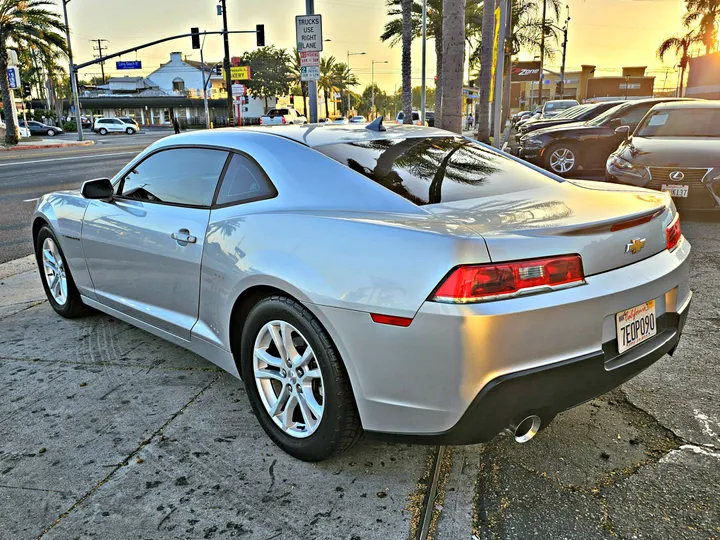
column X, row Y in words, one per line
column 116, row 121
column 244, row 181
column 633, row 116
column 178, row 176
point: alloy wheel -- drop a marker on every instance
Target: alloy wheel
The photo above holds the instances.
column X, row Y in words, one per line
column 288, row 379
column 562, row 160
column 54, row 271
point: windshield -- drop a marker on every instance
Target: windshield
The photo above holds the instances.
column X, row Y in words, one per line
column 574, row 112
column 604, row 116
column 681, row 123
column 559, row 105
column 436, row 169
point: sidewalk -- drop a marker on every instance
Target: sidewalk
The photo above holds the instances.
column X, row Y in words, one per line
column 44, row 143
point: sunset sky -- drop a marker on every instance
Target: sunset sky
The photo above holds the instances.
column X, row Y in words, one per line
column 606, row 33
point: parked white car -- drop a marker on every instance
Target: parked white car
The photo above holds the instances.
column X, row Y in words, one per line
column 24, row 132
column 415, row 118
column 282, row 116
column 103, row 126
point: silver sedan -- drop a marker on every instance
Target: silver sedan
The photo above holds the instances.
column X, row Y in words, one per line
column 405, row 283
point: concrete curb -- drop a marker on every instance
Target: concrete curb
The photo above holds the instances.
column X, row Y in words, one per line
column 42, row 146
column 17, row 266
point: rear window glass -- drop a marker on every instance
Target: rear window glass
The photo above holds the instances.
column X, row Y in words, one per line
column 436, row 169
column 278, row 112
column 681, row 123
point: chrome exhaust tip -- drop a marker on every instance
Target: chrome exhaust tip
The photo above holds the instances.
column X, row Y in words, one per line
column 526, row 429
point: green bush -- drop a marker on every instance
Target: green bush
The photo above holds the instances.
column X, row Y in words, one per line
column 70, row 126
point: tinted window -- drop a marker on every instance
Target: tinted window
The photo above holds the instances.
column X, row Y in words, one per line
column 633, row 116
column 278, row 112
column 116, row 121
column 243, row 181
column 179, row 176
column 436, row 169
column 610, row 113
column 559, row 105
column 681, row 123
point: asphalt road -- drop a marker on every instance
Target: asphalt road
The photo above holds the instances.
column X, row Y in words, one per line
column 27, row 174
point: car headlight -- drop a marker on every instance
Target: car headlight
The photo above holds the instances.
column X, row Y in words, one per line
column 620, row 164
column 531, row 144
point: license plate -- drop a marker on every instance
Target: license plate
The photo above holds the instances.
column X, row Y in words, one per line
column 635, row 325
column 676, row 190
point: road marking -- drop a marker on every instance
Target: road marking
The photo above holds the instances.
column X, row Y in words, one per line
column 31, row 200
column 64, row 158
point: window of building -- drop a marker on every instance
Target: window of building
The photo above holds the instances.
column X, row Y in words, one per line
column 178, row 85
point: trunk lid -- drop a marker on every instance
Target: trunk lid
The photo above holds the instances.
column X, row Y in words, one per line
column 573, row 217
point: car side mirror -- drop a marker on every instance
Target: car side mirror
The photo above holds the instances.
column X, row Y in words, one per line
column 100, row 188
column 623, row 131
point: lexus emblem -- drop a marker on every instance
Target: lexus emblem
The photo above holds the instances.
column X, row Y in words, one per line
column 677, row 176
column 635, row 245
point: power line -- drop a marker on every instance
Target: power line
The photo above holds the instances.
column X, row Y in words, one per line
column 100, row 48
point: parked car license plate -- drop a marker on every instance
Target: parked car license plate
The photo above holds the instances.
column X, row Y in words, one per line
column 676, row 190
column 635, row 325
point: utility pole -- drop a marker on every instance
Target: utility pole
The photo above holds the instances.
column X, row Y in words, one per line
column 373, row 62
column 205, row 84
column 499, row 73
column 423, row 89
column 226, row 63
column 100, row 48
column 312, row 85
column 349, row 54
column 565, row 45
column 73, row 75
column 542, row 52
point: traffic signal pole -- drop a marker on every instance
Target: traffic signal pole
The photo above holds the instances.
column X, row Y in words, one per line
column 73, row 75
column 226, row 64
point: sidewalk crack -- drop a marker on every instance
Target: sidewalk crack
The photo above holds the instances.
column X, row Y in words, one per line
column 124, row 462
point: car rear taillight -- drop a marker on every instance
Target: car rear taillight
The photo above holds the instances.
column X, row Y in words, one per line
column 484, row 282
column 283, row 120
column 261, row 121
column 673, row 233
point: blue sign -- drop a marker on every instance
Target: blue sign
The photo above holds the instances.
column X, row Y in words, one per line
column 13, row 77
column 130, row 64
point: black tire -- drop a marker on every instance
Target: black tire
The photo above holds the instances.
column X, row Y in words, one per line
column 102, row 131
column 563, row 147
column 339, row 427
column 129, row 131
column 74, row 306
column 51, row 132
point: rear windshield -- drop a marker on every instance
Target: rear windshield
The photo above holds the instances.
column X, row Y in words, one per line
column 681, row 123
column 436, row 169
column 559, row 105
column 278, row 112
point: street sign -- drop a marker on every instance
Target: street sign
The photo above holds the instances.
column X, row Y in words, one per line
column 13, row 74
column 129, row 64
column 309, row 73
column 238, row 90
column 239, row 73
column 308, row 31
column 309, row 58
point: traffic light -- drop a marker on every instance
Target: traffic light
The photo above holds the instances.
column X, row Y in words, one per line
column 217, row 70
column 260, row 31
column 558, row 89
column 27, row 89
column 292, row 99
column 195, row 37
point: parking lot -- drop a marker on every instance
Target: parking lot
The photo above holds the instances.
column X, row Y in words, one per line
column 108, row 432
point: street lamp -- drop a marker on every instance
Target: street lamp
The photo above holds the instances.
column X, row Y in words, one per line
column 564, row 30
column 73, row 74
column 349, row 54
column 373, row 62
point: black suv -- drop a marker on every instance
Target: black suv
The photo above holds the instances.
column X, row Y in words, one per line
column 565, row 149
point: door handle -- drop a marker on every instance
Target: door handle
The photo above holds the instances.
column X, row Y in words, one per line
column 183, row 236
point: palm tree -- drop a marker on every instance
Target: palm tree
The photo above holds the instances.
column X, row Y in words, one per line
column 393, row 33
column 681, row 46
column 297, row 78
column 25, row 23
column 488, row 31
column 344, row 79
column 453, row 63
column 407, row 35
column 328, row 78
column 707, row 12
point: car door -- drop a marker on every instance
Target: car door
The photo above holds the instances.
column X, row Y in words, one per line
column 36, row 128
column 144, row 248
column 116, row 125
column 608, row 141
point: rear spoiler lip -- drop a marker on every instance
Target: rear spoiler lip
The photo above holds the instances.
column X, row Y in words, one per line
column 605, row 226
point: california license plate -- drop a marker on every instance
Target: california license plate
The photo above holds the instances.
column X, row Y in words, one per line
column 676, row 190
column 635, row 325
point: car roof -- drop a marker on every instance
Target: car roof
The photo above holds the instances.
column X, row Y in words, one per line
column 699, row 104
column 319, row 135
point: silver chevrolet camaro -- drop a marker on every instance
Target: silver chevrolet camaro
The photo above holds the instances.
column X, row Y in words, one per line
column 405, row 283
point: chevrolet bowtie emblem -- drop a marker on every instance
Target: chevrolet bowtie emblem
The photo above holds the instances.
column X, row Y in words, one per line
column 635, row 245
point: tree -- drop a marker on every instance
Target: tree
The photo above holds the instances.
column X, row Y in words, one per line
column 270, row 72
column 328, row 79
column 486, row 51
column 453, row 41
column 297, row 79
column 407, row 35
column 344, row 79
column 25, row 23
column 681, row 46
column 707, row 13
column 393, row 33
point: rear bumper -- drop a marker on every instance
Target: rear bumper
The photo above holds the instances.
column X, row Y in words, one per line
column 548, row 390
